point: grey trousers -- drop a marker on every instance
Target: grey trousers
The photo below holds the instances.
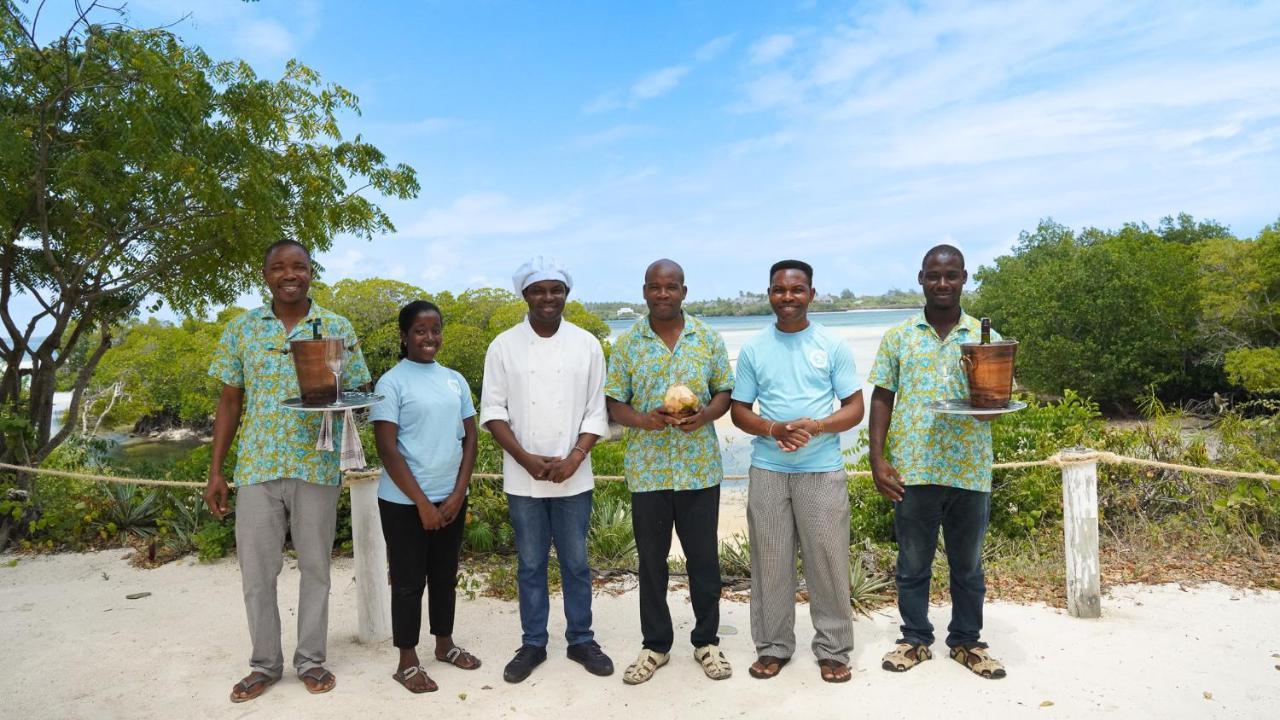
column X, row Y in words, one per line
column 813, row 510
column 263, row 513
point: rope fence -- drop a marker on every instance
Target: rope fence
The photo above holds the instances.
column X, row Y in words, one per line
column 1055, row 460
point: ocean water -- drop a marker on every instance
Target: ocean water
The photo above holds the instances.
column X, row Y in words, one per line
column 861, row 330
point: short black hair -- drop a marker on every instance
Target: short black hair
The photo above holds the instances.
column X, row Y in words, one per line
column 411, row 311
column 283, row 243
column 944, row 250
column 800, row 265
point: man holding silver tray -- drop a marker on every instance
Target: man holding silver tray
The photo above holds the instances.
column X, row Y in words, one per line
column 283, row 483
column 936, row 468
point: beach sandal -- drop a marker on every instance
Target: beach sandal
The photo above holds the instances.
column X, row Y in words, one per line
column 646, row 664
column 834, row 671
column 974, row 656
column 460, row 658
column 253, row 685
column 767, row 666
column 321, row 680
column 408, row 674
column 713, row 662
column 906, row 656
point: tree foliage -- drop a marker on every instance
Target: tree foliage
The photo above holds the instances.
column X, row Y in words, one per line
column 1108, row 313
column 134, row 168
column 160, row 369
column 1240, row 284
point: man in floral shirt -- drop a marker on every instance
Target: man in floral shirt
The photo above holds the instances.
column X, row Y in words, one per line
column 283, row 484
column 935, row 468
column 672, row 463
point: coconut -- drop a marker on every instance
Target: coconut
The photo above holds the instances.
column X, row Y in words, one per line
column 680, row 400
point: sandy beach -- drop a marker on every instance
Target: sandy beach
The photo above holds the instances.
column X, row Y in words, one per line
column 77, row 648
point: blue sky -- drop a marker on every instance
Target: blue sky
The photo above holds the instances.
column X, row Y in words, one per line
column 728, row 135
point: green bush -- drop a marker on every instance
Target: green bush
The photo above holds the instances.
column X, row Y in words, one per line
column 1025, row 499
column 611, row 540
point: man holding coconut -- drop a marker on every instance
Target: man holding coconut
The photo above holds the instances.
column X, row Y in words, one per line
column 669, row 380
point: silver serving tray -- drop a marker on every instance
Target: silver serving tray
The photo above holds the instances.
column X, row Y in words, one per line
column 961, row 406
column 348, row 401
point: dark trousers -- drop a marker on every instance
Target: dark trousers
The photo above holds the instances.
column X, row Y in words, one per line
column 695, row 515
column 420, row 559
column 963, row 515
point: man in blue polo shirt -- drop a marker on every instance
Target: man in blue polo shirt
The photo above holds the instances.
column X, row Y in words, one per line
column 796, row 371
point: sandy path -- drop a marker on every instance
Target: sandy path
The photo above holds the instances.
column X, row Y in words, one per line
column 76, row 648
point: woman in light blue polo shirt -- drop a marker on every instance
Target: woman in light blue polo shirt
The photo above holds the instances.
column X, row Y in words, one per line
column 426, row 434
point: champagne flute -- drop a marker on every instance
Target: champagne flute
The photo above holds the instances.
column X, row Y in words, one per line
column 335, row 357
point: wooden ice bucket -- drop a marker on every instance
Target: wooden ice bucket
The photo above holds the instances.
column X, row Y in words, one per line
column 316, row 383
column 989, row 369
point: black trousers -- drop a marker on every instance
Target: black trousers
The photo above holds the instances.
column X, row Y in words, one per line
column 694, row 514
column 420, row 559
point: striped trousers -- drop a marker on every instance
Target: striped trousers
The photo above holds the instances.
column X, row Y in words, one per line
column 811, row 510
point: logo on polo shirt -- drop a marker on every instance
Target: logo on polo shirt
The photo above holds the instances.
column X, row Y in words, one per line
column 454, row 386
column 818, row 359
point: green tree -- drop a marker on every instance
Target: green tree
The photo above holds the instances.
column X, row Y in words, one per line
column 1240, row 284
column 370, row 303
column 133, row 168
column 373, row 307
column 158, row 370
column 1106, row 313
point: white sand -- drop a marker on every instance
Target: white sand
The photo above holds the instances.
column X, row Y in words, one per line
column 76, row 648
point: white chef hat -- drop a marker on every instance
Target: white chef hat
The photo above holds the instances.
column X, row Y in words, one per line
column 540, row 268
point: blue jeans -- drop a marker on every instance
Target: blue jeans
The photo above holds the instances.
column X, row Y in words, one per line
column 963, row 516
column 539, row 522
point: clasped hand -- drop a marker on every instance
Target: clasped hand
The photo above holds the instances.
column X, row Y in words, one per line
column 659, row 419
column 554, row 469
column 791, row 435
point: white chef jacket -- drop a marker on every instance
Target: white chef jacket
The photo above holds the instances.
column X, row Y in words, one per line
column 549, row 390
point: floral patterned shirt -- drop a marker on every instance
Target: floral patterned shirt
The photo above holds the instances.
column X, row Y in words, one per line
column 928, row 448
column 641, row 368
column 276, row 442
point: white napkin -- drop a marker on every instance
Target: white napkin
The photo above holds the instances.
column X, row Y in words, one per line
column 325, row 440
column 352, row 450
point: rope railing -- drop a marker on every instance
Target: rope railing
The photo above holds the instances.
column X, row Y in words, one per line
column 1061, row 459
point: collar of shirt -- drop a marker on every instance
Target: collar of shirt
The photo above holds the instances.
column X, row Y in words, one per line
column 690, row 328
column 265, row 313
column 967, row 324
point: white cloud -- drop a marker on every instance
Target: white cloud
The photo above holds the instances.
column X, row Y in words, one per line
column 612, row 135
column 658, row 83
column 771, row 49
column 265, row 37
column 259, row 32
column 713, row 49
column 484, row 214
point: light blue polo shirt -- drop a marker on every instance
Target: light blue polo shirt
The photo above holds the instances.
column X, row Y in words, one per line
column 428, row 403
column 796, row 375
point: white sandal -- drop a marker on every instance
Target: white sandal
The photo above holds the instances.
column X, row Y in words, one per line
column 645, row 666
column 713, row 662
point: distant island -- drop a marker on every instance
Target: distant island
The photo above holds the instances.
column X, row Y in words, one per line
column 749, row 303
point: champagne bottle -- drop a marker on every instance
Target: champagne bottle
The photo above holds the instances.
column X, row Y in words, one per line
column 986, row 331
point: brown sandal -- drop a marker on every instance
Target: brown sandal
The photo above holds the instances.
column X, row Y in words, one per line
column 460, row 658
column 404, row 676
column 974, row 656
column 323, row 679
column 905, row 656
column 253, row 685
column 834, row 671
column 767, row 666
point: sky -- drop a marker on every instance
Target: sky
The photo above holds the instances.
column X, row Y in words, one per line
column 729, row 135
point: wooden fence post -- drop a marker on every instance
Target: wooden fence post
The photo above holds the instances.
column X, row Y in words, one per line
column 373, row 594
column 1080, row 530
